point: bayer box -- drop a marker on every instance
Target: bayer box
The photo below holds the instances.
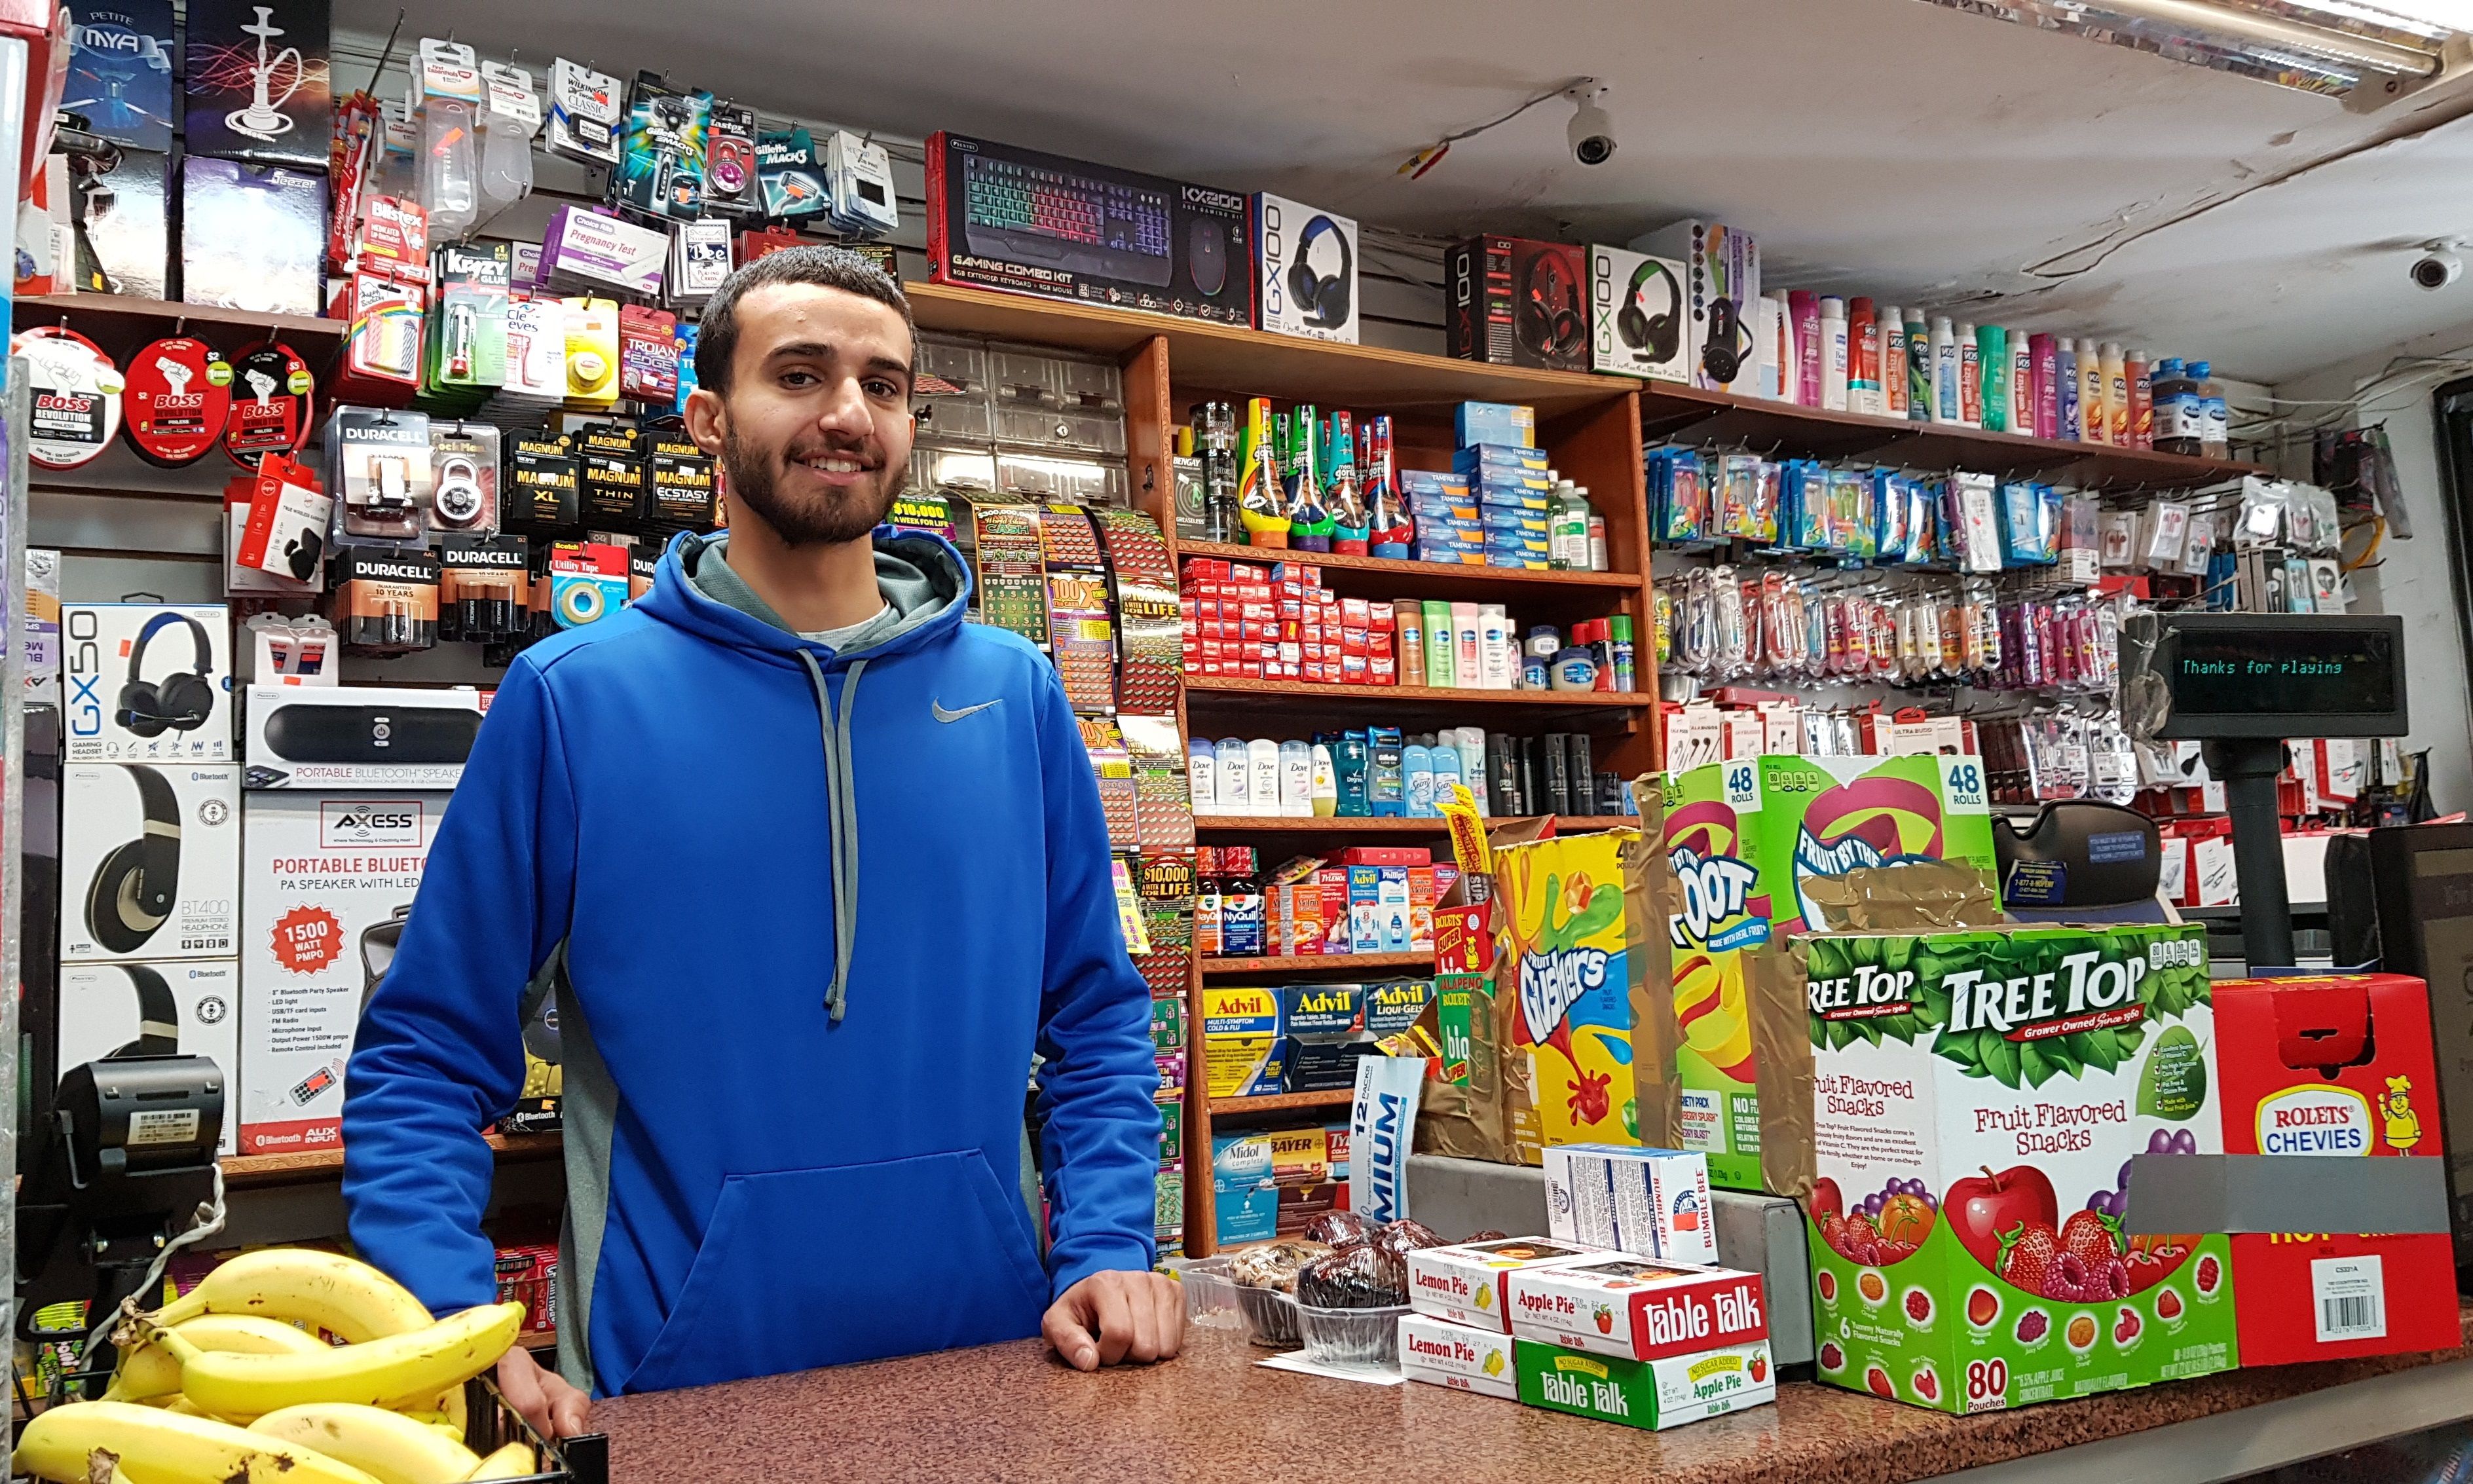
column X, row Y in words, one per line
column 328, row 880
column 188, row 1009
column 1654, row 1202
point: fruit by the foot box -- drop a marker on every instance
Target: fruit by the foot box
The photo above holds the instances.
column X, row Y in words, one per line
column 1747, row 837
column 1652, row 1394
column 2339, row 1064
column 1976, row 1099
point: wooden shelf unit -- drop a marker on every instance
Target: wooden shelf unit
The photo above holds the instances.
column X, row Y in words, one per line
column 1281, row 1102
column 309, row 1166
column 1302, row 964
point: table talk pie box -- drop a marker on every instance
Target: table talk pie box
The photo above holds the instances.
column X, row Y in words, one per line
column 2333, row 1066
column 1630, row 1306
column 1655, row 1395
column 1463, row 1357
column 1468, row 1283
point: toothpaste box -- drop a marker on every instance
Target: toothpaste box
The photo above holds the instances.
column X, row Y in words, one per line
column 1653, row 1201
column 1626, row 1305
column 1650, row 1393
column 1443, row 1353
column 1466, row 1283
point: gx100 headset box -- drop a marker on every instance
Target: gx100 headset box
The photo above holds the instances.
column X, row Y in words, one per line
column 149, row 861
column 178, row 1009
column 330, row 880
column 1306, row 262
column 146, row 682
column 1640, row 316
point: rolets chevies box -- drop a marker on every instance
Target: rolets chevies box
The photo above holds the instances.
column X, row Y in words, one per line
column 1561, row 905
column 1977, row 1098
column 2341, row 1065
column 1653, row 1201
column 1652, row 1393
column 1626, row 1305
column 1468, row 1283
column 1442, row 1353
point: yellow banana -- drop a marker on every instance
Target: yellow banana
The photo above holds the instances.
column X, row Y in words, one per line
column 343, row 1296
column 390, row 1448
column 451, row 1406
column 438, row 1422
column 402, row 1370
column 514, row 1461
column 156, row 1445
column 146, row 1370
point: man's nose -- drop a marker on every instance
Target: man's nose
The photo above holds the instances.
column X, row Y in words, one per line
column 845, row 411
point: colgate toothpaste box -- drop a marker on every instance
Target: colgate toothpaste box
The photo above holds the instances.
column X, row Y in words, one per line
column 1468, row 1283
column 1442, row 1353
column 1641, row 1311
column 2335, row 1066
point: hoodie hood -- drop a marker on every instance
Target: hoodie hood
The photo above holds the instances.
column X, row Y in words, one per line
column 921, row 575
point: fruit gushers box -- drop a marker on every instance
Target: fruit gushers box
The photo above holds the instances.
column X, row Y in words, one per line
column 1976, row 1099
column 1561, row 910
column 1747, row 838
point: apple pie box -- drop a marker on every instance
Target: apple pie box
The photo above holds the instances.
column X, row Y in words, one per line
column 1977, row 1097
column 1468, row 1283
column 1652, row 1394
column 1625, row 1305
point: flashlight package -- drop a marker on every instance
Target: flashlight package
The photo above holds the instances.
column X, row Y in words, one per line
column 378, row 463
column 385, row 599
column 465, row 458
column 482, row 588
column 583, row 113
column 662, row 154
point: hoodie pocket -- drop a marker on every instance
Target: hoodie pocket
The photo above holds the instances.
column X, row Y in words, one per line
column 805, row 1268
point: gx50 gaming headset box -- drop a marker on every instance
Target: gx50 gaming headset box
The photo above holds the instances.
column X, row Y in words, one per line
column 1514, row 301
column 1640, row 318
column 1005, row 218
column 149, row 861
column 183, row 1009
column 1306, row 260
column 358, row 736
column 146, row 682
column 329, row 883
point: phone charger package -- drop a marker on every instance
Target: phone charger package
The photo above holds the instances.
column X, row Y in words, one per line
column 164, row 1009
column 253, row 237
column 149, row 861
column 359, row 736
column 328, row 880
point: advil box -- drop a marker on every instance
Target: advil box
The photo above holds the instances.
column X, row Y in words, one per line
column 1640, row 1311
column 2333, row 1066
column 327, row 880
column 1746, row 837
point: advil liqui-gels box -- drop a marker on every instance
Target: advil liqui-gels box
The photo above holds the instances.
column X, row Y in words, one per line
column 1641, row 1311
column 2338, row 1066
column 1977, row 1098
column 1469, row 1285
column 1745, row 838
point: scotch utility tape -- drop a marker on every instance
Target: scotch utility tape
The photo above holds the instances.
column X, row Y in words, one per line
column 2284, row 1193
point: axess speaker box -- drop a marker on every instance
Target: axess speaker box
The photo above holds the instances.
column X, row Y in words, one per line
column 358, row 736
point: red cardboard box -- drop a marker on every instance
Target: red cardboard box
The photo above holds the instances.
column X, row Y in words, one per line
column 1515, row 301
column 1641, row 1311
column 2341, row 1065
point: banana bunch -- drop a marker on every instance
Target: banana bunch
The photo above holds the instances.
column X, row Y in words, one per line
column 224, row 1386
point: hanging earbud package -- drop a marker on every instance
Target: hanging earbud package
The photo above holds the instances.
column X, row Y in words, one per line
column 1306, row 260
column 289, row 518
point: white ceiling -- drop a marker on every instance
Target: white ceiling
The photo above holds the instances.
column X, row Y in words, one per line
column 1880, row 146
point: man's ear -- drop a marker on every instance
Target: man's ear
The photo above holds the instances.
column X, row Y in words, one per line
column 708, row 419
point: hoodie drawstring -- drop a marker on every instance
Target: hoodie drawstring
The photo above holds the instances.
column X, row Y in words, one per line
column 841, row 805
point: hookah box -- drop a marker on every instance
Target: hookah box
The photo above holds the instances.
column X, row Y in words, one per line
column 255, row 76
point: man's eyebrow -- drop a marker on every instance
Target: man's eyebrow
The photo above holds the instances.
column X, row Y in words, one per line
column 801, row 349
column 886, row 363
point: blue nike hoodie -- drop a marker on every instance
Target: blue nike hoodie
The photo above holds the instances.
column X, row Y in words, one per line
column 808, row 915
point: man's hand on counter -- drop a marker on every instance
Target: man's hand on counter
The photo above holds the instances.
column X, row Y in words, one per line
column 1113, row 1319
column 554, row 1409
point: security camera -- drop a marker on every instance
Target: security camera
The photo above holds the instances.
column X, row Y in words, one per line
column 1591, row 132
column 2437, row 266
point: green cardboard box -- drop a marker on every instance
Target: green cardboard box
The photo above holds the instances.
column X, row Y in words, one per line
column 1650, row 1393
column 1745, row 836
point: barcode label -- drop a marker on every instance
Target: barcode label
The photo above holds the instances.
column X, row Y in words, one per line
column 2350, row 1294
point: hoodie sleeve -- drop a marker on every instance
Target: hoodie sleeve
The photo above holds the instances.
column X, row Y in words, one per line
column 439, row 1052
column 1098, row 1126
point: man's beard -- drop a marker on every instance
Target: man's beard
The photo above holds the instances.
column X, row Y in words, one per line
column 831, row 518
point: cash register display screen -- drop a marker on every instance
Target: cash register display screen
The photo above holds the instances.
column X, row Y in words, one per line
column 2267, row 672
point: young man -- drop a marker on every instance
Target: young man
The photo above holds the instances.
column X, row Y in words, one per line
column 814, row 867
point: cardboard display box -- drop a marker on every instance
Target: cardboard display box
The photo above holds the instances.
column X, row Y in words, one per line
column 146, row 682
column 359, row 736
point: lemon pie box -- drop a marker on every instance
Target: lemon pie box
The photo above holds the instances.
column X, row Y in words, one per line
column 1468, row 1283
column 1442, row 1353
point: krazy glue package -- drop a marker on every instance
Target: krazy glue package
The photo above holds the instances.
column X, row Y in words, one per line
column 1747, row 838
column 1976, row 1099
column 2335, row 1066
column 1561, row 910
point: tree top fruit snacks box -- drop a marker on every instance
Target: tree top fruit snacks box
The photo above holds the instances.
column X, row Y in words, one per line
column 1747, row 838
column 1977, row 1098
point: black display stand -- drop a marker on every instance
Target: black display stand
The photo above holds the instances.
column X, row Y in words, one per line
column 2247, row 767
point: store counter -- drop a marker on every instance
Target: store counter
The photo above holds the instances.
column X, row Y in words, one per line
column 1007, row 1412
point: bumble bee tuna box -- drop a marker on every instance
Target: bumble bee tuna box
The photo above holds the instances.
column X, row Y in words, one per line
column 1976, row 1099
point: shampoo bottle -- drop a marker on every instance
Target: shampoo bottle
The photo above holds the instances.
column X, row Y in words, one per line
column 1919, row 369
column 2065, row 389
column 1946, row 406
column 1862, row 356
column 1808, row 355
column 1893, row 363
column 1351, row 762
column 2095, row 425
column 1992, row 363
column 1833, row 354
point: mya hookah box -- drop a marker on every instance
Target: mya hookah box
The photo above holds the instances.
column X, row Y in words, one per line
column 256, row 81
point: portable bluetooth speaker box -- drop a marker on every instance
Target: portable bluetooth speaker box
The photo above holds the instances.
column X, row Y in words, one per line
column 1005, row 218
column 1306, row 261
column 146, row 682
column 329, row 879
column 358, row 736
column 1514, row 301
column 1640, row 316
column 1722, row 279
column 149, row 861
column 184, row 1008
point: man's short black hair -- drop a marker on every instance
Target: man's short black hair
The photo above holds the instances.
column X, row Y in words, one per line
column 832, row 268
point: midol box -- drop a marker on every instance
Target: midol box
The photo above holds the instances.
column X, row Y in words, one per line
column 1561, row 908
column 1976, row 1099
column 1747, row 838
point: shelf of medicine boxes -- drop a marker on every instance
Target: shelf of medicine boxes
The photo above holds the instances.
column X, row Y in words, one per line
column 1304, row 965
column 1386, row 825
column 1337, row 1098
column 309, row 1166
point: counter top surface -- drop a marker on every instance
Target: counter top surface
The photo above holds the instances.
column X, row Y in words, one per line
column 1008, row 1412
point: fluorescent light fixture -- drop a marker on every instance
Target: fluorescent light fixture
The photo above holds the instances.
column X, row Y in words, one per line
column 2319, row 46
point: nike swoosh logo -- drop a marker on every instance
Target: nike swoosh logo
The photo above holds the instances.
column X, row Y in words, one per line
column 938, row 708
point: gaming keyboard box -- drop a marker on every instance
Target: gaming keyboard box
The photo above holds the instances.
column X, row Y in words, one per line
column 1004, row 218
